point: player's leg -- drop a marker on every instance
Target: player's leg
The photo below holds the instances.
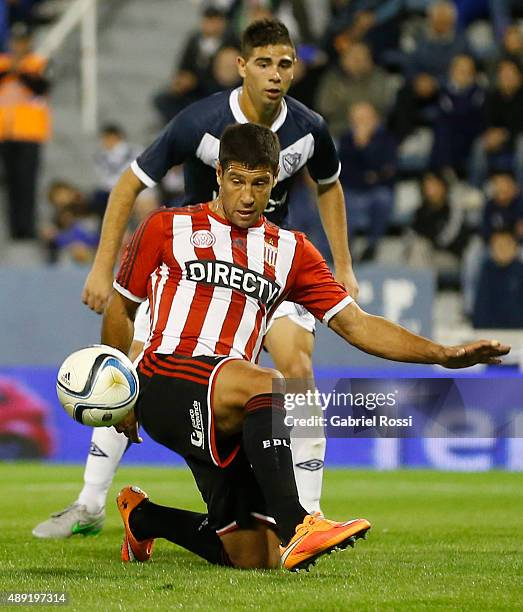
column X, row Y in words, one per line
column 250, row 399
column 106, row 451
column 290, row 342
column 245, row 416
column 256, row 547
column 86, row 515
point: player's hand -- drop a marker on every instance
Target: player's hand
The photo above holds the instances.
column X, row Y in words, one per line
column 97, row 289
column 482, row 351
column 129, row 427
column 347, row 278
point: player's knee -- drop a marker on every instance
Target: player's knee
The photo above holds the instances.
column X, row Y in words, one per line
column 298, row 365
column 265, row 380
column 251, row 559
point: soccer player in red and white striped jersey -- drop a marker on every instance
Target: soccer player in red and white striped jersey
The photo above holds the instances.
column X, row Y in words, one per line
column 213, row 274
column 213, row 285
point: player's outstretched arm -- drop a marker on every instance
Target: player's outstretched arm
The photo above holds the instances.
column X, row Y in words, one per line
column 98, row 285
column 380, row 337
column 331, row 206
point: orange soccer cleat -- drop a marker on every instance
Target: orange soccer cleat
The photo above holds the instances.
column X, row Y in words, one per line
column 133, row 549
column 317, row 536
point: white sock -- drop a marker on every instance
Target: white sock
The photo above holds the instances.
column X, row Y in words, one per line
column 308, row 455
column 105, row 454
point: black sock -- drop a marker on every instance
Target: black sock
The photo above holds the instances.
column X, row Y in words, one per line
column 266, row 441
column 187, row 529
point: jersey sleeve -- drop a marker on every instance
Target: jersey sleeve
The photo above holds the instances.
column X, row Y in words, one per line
column 175, row 143
column 324, row 165
column 313, row 285
column 142, row 255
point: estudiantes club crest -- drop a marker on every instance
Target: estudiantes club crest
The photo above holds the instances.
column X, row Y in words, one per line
column 203, row 239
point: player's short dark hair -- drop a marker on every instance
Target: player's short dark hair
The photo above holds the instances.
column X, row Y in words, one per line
column 249, row 144
column 262, row 33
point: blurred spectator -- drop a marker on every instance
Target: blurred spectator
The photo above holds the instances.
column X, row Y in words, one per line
column 374, row 21
column 437, row 236
column 180, row 93
column 499, row 295
column 309, row 67
column 368, row 169
column 21, row 11
column 502, row 13
column 411, row 121
column 504, row 209
column 113, row 156
column 72, row 235
column 438, row 44
column 493, row 11
column 356, row 79
column 294, row 13
column 224, row 71
column 511, row 48
column 300, row 13
column 501, row 146
column 513, row 43
column 25, row 124
column 460, row 118
column 416, row 105
column 202, row 46
column 193, row 75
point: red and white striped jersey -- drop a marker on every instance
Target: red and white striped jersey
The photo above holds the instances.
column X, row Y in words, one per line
column 213, row 286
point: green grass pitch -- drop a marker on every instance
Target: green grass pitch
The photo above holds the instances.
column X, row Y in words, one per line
column 440, row 541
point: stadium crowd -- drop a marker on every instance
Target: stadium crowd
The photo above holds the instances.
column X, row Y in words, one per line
column 425, row 100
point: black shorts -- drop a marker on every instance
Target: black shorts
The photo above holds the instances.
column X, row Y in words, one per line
column 175, row 409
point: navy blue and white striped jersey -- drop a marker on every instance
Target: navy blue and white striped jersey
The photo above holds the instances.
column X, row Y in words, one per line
column 192, row 138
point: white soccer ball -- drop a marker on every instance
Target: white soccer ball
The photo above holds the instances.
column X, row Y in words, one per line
column 97, row 385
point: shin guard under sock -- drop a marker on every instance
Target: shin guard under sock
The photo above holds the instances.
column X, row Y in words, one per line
column 266, row 442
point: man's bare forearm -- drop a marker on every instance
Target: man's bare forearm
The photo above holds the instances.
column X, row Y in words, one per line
column 118, row 323
column 382, row 338
column 116, row 217
column 331, row 206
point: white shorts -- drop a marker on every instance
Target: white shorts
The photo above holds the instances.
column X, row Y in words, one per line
column 142, row 323
column 297, row 314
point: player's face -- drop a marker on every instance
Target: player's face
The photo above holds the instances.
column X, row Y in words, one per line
column 244, row 193
column 267, row 73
